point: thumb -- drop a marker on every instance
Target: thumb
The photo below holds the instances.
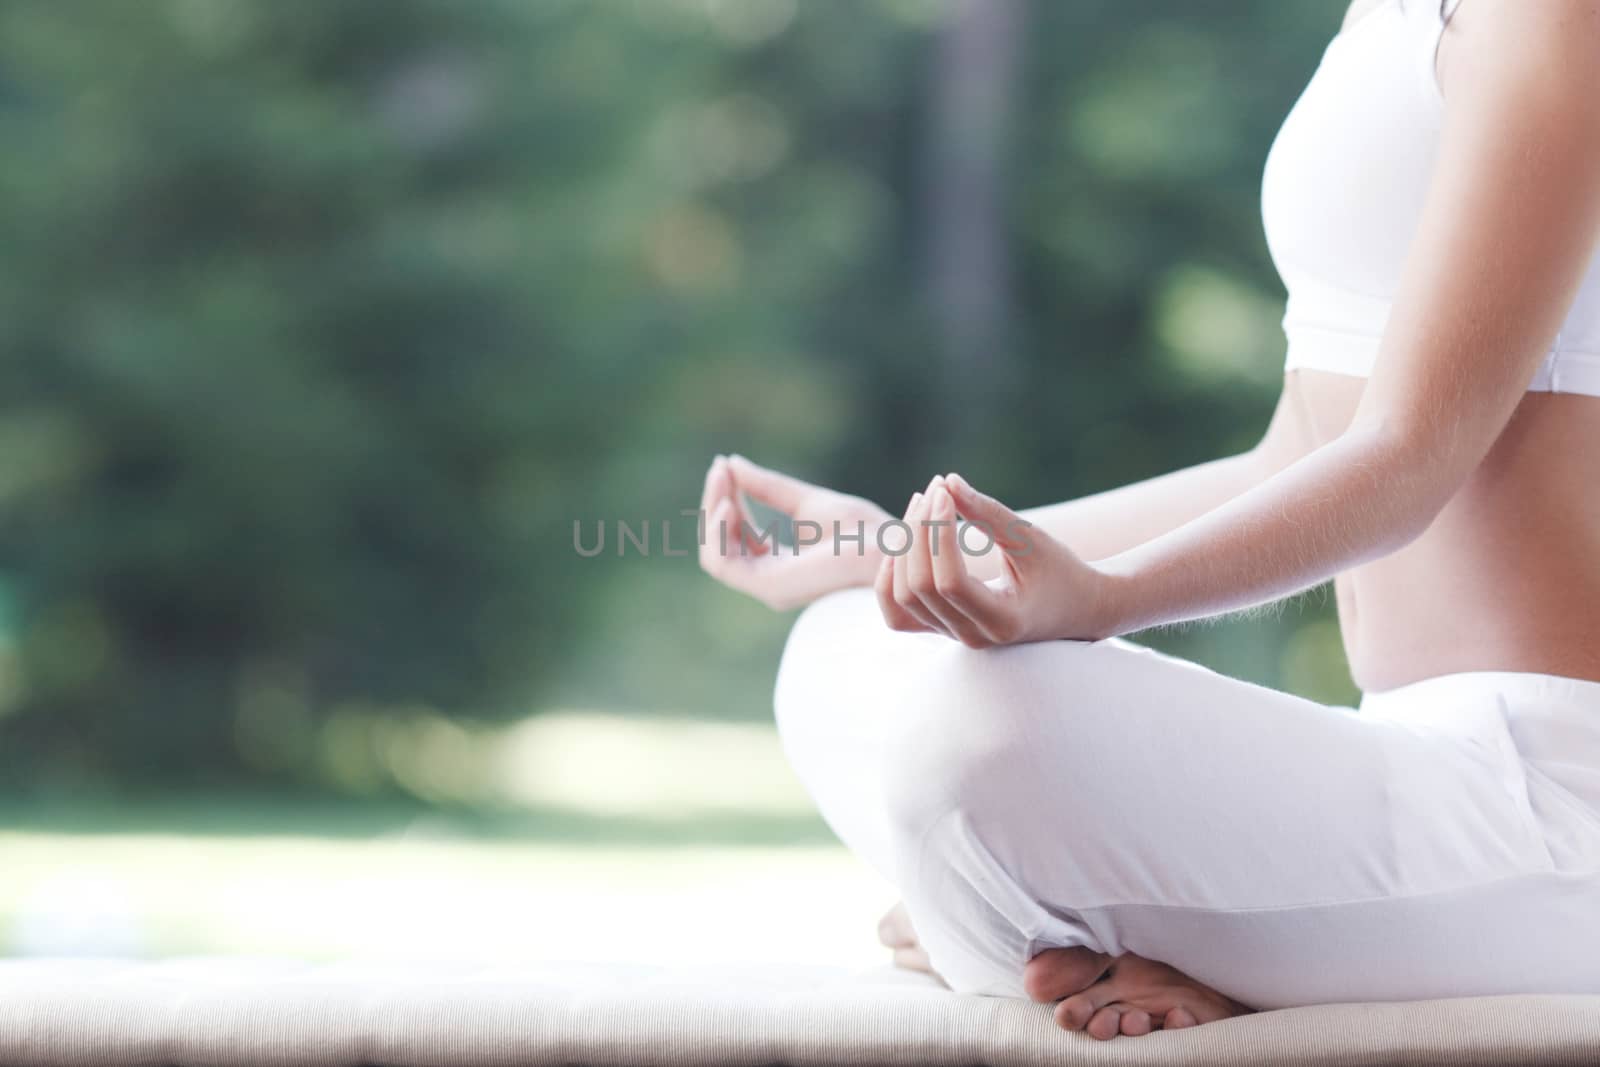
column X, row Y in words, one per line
column 1009, row 530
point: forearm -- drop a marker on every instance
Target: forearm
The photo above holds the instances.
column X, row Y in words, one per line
column 1361, row 496
column 1119, row 519
column 1107, row 523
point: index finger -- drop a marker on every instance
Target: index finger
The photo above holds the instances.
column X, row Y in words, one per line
column 978, row 603
column 771, row 487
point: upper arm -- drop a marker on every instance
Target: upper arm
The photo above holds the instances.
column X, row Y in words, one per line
column 1506, row 234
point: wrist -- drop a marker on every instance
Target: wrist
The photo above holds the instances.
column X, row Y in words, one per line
column 1112, row 602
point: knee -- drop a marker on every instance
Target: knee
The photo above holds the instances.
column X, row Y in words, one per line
column 809, row 672
column 829, row 679
column 962, row 740
column 994, row 733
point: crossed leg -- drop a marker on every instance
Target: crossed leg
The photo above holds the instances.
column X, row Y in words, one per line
column 1092, row 992
column 1154, row 844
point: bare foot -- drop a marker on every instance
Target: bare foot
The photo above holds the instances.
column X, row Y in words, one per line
column 1126, row 995
column 895, row 932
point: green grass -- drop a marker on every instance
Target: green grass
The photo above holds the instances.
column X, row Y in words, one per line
column 690, row 858
column 236, row 815
column 411, row 894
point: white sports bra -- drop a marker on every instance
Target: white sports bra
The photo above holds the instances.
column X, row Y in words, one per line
column 1344, row 187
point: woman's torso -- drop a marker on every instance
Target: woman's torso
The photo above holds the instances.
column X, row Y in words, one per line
column 1508, row 576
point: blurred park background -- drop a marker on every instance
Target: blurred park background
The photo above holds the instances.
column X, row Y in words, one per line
column 321, row 323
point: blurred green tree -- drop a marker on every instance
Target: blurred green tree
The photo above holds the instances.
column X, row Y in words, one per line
column 321, row 323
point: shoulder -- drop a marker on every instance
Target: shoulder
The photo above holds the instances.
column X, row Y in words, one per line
column 1515, row 38
column 1543, row 54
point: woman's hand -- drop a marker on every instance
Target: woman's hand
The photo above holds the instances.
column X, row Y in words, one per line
column 1044, row 592
column 734, row 552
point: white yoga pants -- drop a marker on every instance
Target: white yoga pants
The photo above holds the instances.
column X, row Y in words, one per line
column 1444, row 840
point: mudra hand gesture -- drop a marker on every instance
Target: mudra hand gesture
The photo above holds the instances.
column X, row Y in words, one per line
column 736, row 553
column 1042, row 592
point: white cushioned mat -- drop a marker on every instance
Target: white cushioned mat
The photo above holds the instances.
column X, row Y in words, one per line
column 256, row 1013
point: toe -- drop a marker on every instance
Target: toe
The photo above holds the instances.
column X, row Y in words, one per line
column 1135, row 1023
column 1178, row 1019
column 1061, row 972
column 1107, row 1022
column 1074, row 1012
column 894, row 929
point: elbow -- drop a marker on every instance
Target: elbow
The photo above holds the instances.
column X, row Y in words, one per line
column 1410, row 474
column 1411, row 522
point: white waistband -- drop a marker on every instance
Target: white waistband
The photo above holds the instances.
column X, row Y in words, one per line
column 1350, row 353
column 1450, row 696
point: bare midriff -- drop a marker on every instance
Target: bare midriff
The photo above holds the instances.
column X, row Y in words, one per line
column 1507, row 577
